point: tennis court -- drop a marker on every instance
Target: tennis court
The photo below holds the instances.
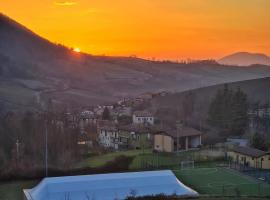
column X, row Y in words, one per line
column 222, row 181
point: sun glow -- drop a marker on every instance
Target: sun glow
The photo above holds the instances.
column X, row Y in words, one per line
column 78, row 50
column 172, row 29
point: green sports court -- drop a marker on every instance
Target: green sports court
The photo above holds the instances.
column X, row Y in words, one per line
column 222, row 181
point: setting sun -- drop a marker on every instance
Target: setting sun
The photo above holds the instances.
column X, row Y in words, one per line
column 171, row 29
column 78, row 50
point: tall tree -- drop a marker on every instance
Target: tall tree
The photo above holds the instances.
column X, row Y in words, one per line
column 258, row 141
column 188, row 107
column 239, row 112
column 228, row 111
column 106, row 114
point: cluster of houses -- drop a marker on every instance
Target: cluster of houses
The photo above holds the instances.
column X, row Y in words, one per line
column 141, row 132
column 242, row 155
column 144, row 133
column 259, row 119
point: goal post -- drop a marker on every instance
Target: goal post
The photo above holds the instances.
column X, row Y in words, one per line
column 187, row 164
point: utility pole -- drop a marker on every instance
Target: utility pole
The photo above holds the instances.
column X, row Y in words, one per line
column 178, row 130
column 17, row 151
column 46, row 148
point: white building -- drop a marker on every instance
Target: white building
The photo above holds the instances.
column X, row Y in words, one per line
column 142, row 117
column 108, row 134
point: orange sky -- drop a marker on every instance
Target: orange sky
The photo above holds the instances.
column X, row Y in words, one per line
column 173, row 29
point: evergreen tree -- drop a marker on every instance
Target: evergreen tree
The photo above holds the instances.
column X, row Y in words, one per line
column 228, row 111
column 188, row 107
column 259, row 142
column 239, row 112
column 106, row 114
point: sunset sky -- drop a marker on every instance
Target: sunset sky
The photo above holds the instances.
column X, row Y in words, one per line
column 164, row 29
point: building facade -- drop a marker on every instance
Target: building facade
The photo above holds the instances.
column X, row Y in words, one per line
column 177, row 140
column 247, row 157
column 163, row 142
column 142, row 117
column 108, row 134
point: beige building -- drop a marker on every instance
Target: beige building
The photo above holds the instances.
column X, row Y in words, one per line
column 173, row 140
column 250, row 157
column 163, row 142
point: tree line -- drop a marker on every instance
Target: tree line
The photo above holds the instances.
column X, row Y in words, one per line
column 228, row 111
column 23, row 137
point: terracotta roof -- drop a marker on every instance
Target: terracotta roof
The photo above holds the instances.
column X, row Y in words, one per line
column 106, row 125
column 138, row 128
column 249, row 151
column 184, row 132
column 142, row 114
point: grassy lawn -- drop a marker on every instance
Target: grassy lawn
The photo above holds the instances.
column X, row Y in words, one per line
column 13, row 190
column 170, row 160
column 220, row 181
column 154, row 160
column 212, row 181
column 146, row 157
column 100, row 160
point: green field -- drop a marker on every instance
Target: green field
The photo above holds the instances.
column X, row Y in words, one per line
column 206, row 181
column 156, row 161
column 206, row 178
column 13, row 190
column 100, row 160
column 143, row 158
column 221, row 181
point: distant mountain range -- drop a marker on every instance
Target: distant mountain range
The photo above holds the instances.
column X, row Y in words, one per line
column 33, row 70
column 245, row 59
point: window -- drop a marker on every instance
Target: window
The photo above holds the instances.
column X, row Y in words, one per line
column 138, row 137
column 262, row 159
column 268, row 158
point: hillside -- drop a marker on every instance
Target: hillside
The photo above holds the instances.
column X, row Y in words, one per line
column 257, row 90
column 245, row 59
column 32, row 70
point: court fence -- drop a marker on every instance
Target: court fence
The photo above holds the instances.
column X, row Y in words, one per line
column 236, row 190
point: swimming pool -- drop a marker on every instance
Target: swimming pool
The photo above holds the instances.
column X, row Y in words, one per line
column 116, row 186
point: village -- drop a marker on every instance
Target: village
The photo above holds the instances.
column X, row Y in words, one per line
column 134, row 100
column 119, row 127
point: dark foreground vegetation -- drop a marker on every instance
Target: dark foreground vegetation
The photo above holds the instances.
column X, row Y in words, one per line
column 119, row 164
column 163, row 197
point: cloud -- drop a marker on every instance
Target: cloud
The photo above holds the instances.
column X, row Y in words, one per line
column 65, row 3
column 89, row 11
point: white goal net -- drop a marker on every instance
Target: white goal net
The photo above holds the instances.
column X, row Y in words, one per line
column 187, row 164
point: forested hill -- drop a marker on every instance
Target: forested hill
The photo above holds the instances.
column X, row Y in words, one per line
column 257, row 90
column 33, row 70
